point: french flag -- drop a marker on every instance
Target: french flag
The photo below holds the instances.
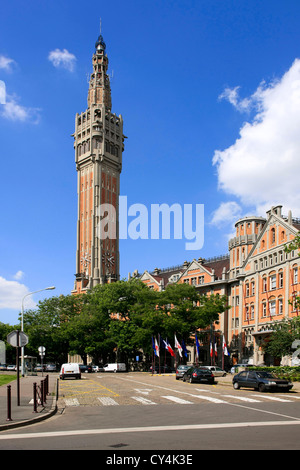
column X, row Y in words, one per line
column 225, row 350
column 168, row 347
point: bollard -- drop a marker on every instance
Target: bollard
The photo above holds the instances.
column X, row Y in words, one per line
column 34, row 398
column 8, row 403
column 44, row 391
column 47, row 384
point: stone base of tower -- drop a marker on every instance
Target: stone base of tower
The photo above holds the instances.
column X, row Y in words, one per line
column 83, row 284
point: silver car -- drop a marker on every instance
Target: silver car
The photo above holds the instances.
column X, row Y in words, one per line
column 217, row 371
column 181, row 370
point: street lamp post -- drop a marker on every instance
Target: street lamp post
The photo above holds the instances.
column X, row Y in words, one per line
column 22, row 322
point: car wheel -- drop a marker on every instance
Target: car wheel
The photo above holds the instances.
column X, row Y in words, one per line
column 191, row 380
column 236, row 385
column 224, row 375
column 261, row 387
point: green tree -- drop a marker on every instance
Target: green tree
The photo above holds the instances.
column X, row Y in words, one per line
column 281, row 340
column 47, row 326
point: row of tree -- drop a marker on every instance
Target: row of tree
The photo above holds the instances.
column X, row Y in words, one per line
column 116, row 320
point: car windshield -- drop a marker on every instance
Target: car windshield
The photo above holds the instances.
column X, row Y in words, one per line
column 265, row 375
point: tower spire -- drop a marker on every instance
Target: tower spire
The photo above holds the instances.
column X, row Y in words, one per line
column 99, row 93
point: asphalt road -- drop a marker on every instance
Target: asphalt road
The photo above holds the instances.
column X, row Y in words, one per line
column 138, row 411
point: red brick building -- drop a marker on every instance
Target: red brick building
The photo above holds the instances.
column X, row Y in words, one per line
column 258, row 277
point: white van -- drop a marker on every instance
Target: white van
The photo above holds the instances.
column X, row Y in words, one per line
column 70, row 370
column 115, row 367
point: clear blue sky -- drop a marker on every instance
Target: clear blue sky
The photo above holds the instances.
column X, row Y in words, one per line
column 210, row 96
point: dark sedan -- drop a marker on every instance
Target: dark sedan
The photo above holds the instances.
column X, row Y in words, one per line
column 260, row 380
column 84, row 368
column 198, row 374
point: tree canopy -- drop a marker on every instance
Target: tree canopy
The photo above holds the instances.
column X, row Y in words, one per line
column 117, row 320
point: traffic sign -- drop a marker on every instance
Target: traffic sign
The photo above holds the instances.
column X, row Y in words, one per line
column 41, row 350
column 12, row 338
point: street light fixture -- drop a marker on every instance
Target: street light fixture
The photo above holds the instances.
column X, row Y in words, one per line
column 22, row 321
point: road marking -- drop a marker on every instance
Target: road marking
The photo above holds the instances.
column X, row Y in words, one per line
column 71, row 402
column 107, row 401
column 144, row 401
column 176, row 427
column 291, row 396
column 251, row 400
column 178, row 400
column 267, row 397
column 212, row 399
column 144, row 391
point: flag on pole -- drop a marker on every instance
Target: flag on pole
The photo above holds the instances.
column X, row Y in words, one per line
column 178, row 346
column 184, row 349
column 153, row 346
column 225, row 350
column 162, row 343
column 168, row 347
column 211, row 349
column 156, row 348
column 216, row 351
column 197, row 346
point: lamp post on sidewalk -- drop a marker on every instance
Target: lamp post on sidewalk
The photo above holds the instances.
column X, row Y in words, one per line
column 22, row 322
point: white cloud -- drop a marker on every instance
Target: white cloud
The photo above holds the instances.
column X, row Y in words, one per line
column 2, row 92
column 19, row 275
column 226, row 213
column 62, row 58
column 13, row 111
column 6, row 63
column 262, row 167
column 232, row 95
column 12, row 293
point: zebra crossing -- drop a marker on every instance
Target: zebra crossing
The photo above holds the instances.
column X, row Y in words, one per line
column 192, row 399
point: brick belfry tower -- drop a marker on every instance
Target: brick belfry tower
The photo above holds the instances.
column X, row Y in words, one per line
column 98, row 155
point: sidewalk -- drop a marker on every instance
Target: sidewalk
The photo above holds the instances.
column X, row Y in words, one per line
column 24, row 414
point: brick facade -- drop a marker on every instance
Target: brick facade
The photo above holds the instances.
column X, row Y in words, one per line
column 258, row 278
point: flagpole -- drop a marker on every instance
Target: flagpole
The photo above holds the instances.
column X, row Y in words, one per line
column 223, row 352
column 152, row 354
column 159, row 356
column 176, row 353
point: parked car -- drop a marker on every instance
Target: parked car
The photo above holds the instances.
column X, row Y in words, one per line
column 181, row 370
column 2, row 366
column 198, row 374
column 84, row 368
column 217, row 371
column 260, row 380
column 51, row 368
column 70, row 370
column 40, row 368
column 11, row 367
column 115, row 367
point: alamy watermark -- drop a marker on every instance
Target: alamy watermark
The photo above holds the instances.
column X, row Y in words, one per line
column 161, row 221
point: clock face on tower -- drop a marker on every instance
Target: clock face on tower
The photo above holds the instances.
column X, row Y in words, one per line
column 108, row 259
